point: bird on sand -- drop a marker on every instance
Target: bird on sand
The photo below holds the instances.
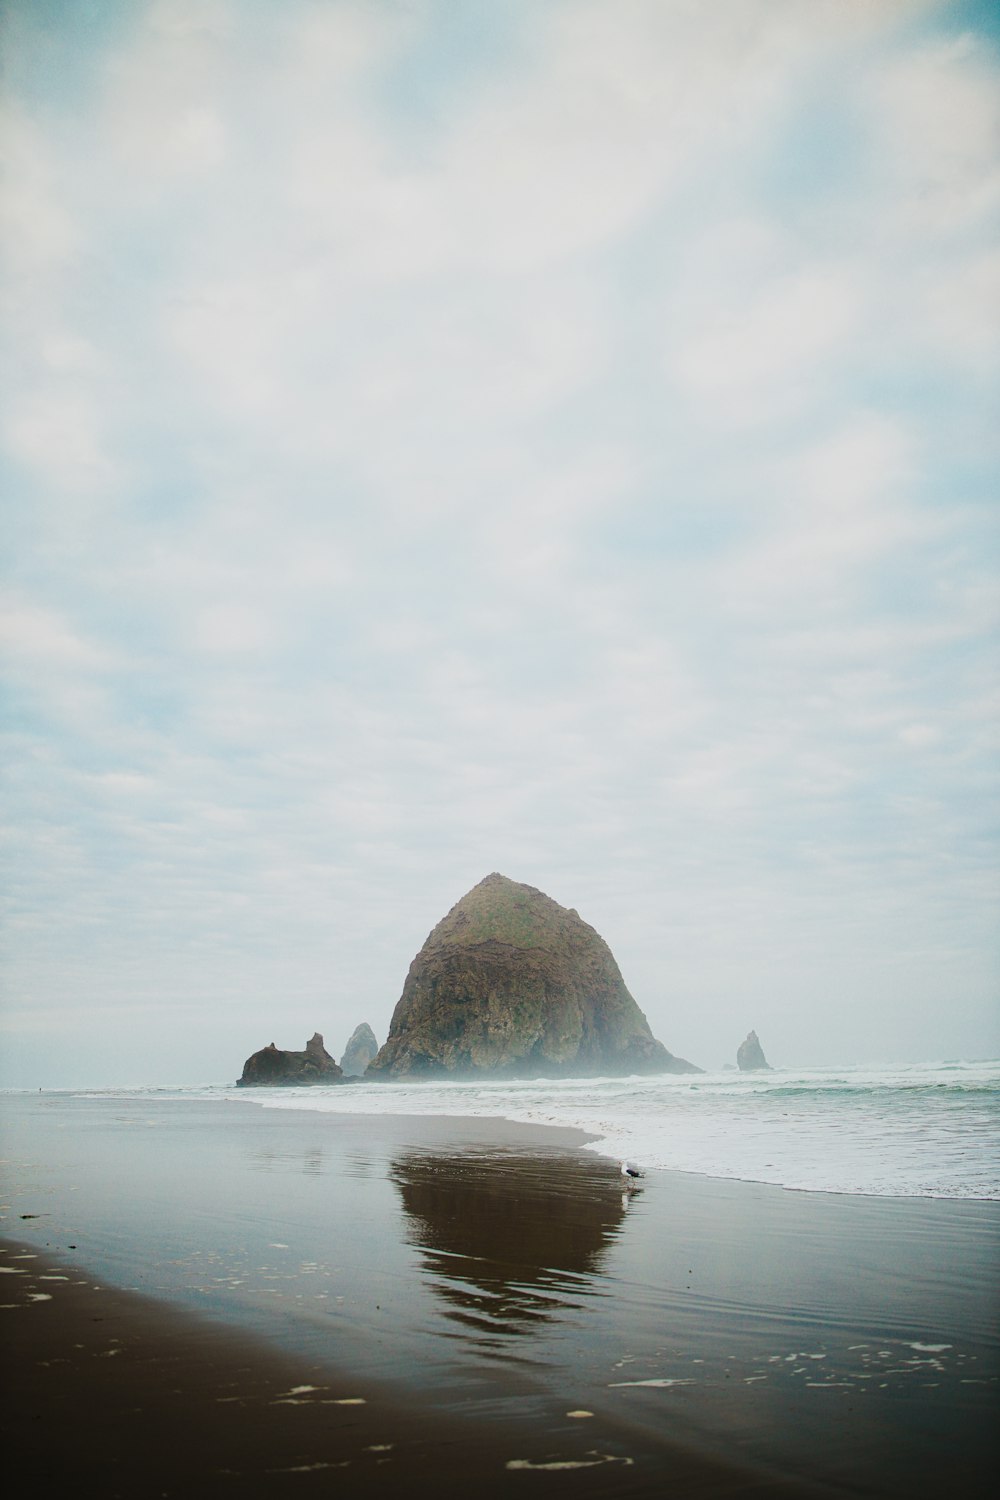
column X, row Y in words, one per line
column 631, row 1173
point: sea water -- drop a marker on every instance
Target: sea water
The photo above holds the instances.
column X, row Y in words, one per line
column 833, row 1337
column 920, row 1130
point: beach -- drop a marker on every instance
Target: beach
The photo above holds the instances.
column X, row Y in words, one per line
column 205, row 1294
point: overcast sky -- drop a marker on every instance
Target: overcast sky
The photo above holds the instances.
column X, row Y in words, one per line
column 546, row 436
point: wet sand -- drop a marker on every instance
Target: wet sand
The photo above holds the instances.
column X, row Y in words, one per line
column 468, row 1289
column 116, row 1390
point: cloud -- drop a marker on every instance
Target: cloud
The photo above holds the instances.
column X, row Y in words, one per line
column 962, row 313
column 758, row 360
column 36, row 637
column 563, row 448
column 839, row 506
column 940, row 118
column 56, row 434
column 39, row 233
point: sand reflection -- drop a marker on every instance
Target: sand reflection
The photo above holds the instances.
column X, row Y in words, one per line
column 509, row 1241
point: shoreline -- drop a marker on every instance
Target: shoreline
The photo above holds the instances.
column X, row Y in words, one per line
column 476, row 1281
column 847, row 1145
column 500, row 1128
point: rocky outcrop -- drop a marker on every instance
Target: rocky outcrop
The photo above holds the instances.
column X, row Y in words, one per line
column 359, row 1051
column 750, row 1056
column 270, row 1066
column 511, row 984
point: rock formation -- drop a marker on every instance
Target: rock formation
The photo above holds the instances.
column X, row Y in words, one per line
column 359, row 1051
column 750, row 1056
column 270, row 1066
column 511, row 984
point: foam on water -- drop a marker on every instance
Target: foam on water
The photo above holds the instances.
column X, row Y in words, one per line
column 929, row 1130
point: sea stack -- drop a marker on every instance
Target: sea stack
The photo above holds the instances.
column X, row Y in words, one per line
column 359, row 1051
column 271, row 1066
column 512, row 985
column 750, row 1056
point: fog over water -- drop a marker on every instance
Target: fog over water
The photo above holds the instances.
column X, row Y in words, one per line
column 555, row 438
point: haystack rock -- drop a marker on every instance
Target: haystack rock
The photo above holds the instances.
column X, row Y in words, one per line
column 750, row 1056
column 511, row 984
column 271, row 1066
column 359, row 1051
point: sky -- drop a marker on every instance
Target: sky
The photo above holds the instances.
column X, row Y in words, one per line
column 547, row 436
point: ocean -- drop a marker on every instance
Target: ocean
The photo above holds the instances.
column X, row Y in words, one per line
column 919, row 1130
column 803, row 1282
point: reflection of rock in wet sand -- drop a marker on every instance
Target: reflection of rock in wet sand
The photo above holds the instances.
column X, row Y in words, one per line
column 509, row 1241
